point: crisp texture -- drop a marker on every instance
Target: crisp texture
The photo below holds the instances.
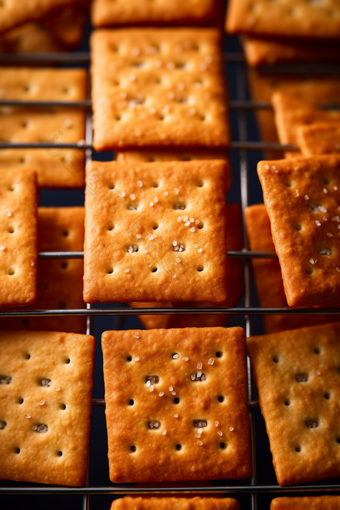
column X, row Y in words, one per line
column 45, row 406
column 319, row 138
column 18, row 237
column 55, row 167
column 158, row 88
column 67, row 25
column 143, row 12
column 290, row 113
column 235, row 284
column 164, row 422
column 268, row 277
column 285, row 18
column 137, row 218
column 148, row 156
column 174, row 504
column 16, row 13
column 273, row 51
column 297, row 374
column 319, row 89
column 60, row 282
column 302, row 198
column 306, row 503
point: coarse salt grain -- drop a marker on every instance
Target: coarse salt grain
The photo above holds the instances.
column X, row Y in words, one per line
column 200, row 250
column 313, row 261
column 174, row 243
column 150, row 236
column 145, row 251
column 216, row 423
column 2, row 248
column 211, row 361
column 138, row 236
column 173, row 393
column 9, row 214
column 179, row 218
column 335, row 187
column 148, row 383
column 187, row 223
column 338, row 269
column 192, row 229
column 137, row 358
column 170, row 388
column 185, row 358
column 220, row 433
column 178, row 260
column 151, row 388
column 164, row 432
column 127, row 270
column 155, row 199
column 192, row 220
column 122, row 194
column 57, row 389
column 28, row 416
column 317, row 222
column 324, row 218
column 266, row 167
column 132, row 197
column 325, row 190
column 185, row 218
column 175, row 415
column 140, row 183
column 42, row 402
column 173, row 276
column 151, row 204
column 297, row 193
column 176, row 191
column 198, row 436
column 200, row 443
column 231, row 429
column 199, row 365
column 195, row 245
column 306, row 197
column 136, row 336
column 166, row 193
column 161, row 393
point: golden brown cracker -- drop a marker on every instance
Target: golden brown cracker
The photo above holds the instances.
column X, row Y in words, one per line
column 176, row 398
column 44, row 424
column 290, row 113
column 302, row 200
column 268, row 277
column 306, row 503
column 18, row 238
column 144, row 12
column 172, row 503
column 155, row 231
column 60, row 281
column 55, row 167
column 297, row 374
column 319, row 138
column 274, row 51
column 288, row 18
column 67, row 26
column 28, row 38
column 158, row 88
column 235, row 282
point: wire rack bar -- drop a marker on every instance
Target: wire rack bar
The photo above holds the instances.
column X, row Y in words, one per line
column 218, row 489
column 231, row 254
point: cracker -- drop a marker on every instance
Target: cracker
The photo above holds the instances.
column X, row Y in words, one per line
column 148, row 156
column 319, row 138
column 144, row 12
column 306, row 503
column 158, row 88
column 18, row 238
column 302, row 200
column 290, row 113
column 28, row 38
column 321, row 89
column 235, row 279
column 60, row 282
column 67, row 26
column 268, row 277
column 290, row 18
column 45, row 425
column 168, row 503
column 273, row 51
column 13, row 14
column 55, row 167
column 155, row 231
column 298, row 380
column 176, row 404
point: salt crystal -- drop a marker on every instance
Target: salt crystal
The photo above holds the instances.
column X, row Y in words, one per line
column 266, row 167
column 164, row 432
column 174, row 276
column 161, row 393
column 127, row 270
column 198, row 436
column 173, row 393
column 195, row 245
column 166, row 193
column 138, row 236
column 313, row 261
column 297, row 193
column 220, row 433
column 132, row 197
column 42, row 402
column 148, row 383
column 155, row 199
column 325, row 190
column 9, row 214
column 324, row 218
column 145, row 251
column 174, row 243
column 199, row 365
column 335, row 187
column 140, row 183
column 137, row 358
column 178, row 260
column 192, row 220
column 2, row 248
column 185, row 218
column 211, row 361
column 150, row 236
column 179, row 218
column 185, row 358
column 175, row 415
column 317, row 222
column 151, row 204
column 136, row 336
column 187, row 223
column 176, row 191
column 216, row 423
column 151, row 388
column 306, row 197
column 192, row 229
column 200, row 443
column 171, row 388
column 57, row 389
column 231, row 429
column 200, row 250
column 122, row 194
column 338, row 269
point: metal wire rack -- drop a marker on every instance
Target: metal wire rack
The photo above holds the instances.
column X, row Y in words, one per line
column 241, row 105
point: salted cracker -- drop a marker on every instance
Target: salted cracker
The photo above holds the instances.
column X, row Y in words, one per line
column 55, row 167
column 319, row 138
column 44, row 424
column 18, row 238
column 302, row 199
column 60, row 281
column 176, row 404
column 158, row 88
column 169, row 503
column 235, row 283
column 289, row 18
column 297, row 374
column 143, row 12
column 306, row 503
column 155, row 231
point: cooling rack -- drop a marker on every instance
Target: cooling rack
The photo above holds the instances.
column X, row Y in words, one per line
column 241, row 105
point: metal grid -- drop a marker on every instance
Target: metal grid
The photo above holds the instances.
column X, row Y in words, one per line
column 241, row 105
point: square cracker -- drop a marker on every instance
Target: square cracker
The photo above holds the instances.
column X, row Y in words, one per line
column 273, row 51
column 18, row 237
column 302, row 198
column 268, row 277
column 149, row 156
column 163, row 12
column 176, row 404
column 287, row 18
column 158, row 88
column 235, row 283
column 55, row 167
column 60, row 282
column 306, row 503
column 297, row 374
column 171, row 503
column 155, row 231
column 16, row 13
column 44, row 424
column 319, row 138
column 321, row 89
column 290, row 113
column 28, row 38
